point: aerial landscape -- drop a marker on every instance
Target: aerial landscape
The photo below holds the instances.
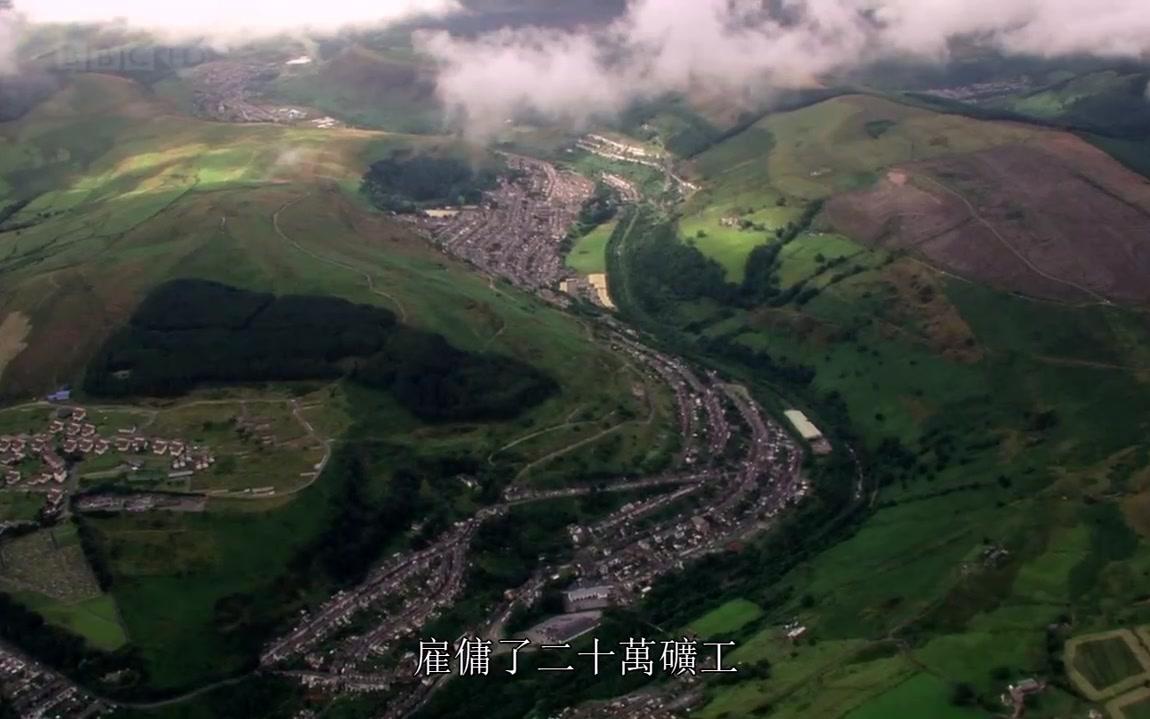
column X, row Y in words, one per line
column 596, row 359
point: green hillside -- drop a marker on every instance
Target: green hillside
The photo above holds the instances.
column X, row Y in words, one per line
column 1007, row 437
column 109, row 196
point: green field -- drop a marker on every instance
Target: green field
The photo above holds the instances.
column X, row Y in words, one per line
column 1106, row 662
column 96, row 620
column 730, row 246
column 589, row 255
column 1137, row 710
column 730, row 617
column 829, row 147
column 921, row 695
column 20, row 506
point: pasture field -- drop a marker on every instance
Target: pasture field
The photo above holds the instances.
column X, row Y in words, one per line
column 1105, row 662
column 1135, row 705
column 1105, row 665
column 921, row 695
column 815, row 257
column 727, row 230
column 20, row 506
column 730, row 617
column 95, row 619
column 834, row 146
column 22, row 420
column 589, row 255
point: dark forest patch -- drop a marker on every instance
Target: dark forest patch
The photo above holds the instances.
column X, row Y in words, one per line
column 190, row 333
column 406, row 183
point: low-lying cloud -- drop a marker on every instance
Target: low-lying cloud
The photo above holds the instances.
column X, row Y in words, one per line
column 751, row 47
column 742, row 48
column 9, row 34
column 233, row 17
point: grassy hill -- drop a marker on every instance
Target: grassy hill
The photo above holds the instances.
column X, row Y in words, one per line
column 1008, row 435
column 109, row 194
column 1002, row 203
column 390, row 88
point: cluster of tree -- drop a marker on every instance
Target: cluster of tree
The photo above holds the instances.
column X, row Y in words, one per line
column 877, row 128
column 189, row 333
column 9, row 211
column 767, row 367
column 97, row 560
column 761, row 279
column 438, row 382
column 347, row 549
column 365, row 519
column 406, row 182
column 672, row 271
column 684, row 132
column 600, row 207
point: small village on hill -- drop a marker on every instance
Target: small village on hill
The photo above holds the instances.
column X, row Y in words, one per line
column 42, row 461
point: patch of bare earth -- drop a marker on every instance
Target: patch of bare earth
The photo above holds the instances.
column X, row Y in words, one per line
column 69, row 327
column 13, row 333
column 924, row 307
column 1055, row 218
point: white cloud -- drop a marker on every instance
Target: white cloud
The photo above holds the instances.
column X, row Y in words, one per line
column 9, row 35
column 232, row 17
column 736, row 46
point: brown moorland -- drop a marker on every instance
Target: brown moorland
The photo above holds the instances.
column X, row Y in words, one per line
column 1053, row 218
